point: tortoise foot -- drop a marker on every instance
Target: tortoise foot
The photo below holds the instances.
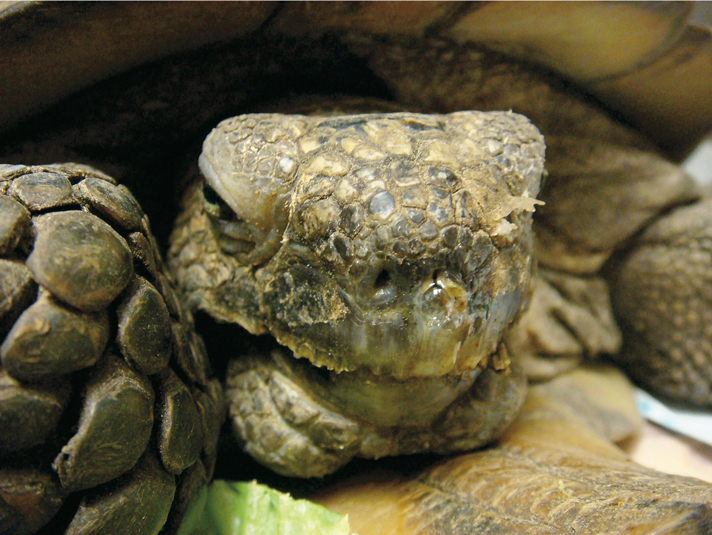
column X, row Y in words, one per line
column 280, row 425
column 569, row 320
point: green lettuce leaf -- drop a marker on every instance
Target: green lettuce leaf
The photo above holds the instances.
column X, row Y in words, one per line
column 241, row 508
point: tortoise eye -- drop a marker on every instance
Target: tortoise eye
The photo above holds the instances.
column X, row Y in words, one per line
column 210, row 195
column 214, row 205
column 234, row 235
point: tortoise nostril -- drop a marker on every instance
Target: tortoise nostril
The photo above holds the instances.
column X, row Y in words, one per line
column 383, row 291
column 382, row 280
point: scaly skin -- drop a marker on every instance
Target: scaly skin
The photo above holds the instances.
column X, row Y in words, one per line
column 392, row 250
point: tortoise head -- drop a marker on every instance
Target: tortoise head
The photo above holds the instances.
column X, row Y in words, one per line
column 400, row 243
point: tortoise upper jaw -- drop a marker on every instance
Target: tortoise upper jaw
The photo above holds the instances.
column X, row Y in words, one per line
column 424, row 322
column 409, row 339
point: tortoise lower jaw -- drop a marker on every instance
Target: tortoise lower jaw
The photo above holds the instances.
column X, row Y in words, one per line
column 382, row 400
column 304, row 421
column 385, row 401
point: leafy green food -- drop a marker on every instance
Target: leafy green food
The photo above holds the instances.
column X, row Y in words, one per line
column 241, row 508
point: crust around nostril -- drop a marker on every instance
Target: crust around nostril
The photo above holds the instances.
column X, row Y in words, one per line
column 433, row 304
column 442, row 299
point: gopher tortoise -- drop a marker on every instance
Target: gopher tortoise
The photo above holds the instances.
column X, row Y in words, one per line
column 405, row 215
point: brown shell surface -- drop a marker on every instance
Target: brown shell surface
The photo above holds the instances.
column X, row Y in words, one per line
column 641, row 59
column 99, row 405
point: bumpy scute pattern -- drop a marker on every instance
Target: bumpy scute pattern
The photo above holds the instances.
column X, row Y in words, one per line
column 97, row 352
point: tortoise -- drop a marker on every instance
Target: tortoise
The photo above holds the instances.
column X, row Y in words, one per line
column 521, row 288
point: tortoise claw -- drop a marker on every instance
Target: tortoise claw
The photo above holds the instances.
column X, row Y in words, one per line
column 281, row 425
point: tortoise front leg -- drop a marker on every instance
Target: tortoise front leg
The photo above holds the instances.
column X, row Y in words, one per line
column 569, row 319
column 662, row 296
